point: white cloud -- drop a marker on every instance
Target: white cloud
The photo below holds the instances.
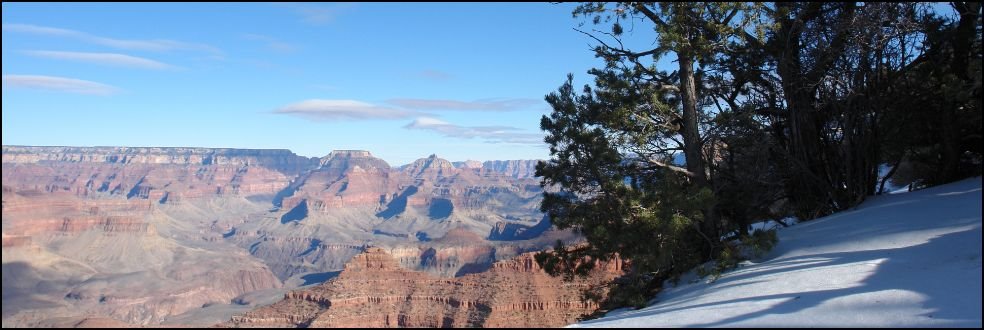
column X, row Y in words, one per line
column 320, row 109
column 34, row 29
column 130, row 44
column 492, row 134
column 477, row 105
column 102, row 58
column 57, row 84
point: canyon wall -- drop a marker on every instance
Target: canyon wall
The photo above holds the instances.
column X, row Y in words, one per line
column 142, row 235
column 374, row 291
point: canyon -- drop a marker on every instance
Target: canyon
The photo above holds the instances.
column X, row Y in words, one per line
column 193, row 236
column 375, row 291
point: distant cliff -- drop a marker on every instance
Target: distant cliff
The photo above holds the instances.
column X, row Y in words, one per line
column 281, row 160
column 515, row 168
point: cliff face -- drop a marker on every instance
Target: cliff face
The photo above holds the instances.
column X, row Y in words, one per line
column 280, row 160
column 374, row 291
column 519, row 169
column 127, row 233
column 353, row 198
column 429, row 186
column 205, row 225
column 161, row 175
column 468, row 164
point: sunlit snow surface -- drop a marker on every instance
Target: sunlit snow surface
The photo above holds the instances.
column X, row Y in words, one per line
column 901, row 260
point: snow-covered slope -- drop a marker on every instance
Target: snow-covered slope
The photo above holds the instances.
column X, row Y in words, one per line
column 905, row 260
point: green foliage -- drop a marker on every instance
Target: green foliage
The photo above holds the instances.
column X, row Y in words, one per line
column 648, row 215
column 755, row 245
column 779, row 109
column 633, row 290
column 760, row 242
column 934, row 123
column 612, row 175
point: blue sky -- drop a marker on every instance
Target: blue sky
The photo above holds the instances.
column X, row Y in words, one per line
column 465, row 81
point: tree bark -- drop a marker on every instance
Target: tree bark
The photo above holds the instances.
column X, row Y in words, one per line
column 962, row 42
column 692, row 148
column 691, row 137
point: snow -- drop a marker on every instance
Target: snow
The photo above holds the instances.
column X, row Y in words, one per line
column 904, row 260
column 770, row 224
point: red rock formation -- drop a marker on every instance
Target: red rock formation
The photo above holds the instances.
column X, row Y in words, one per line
column 345, row 179
column 374, row 291
column 96, row 212
column 354, row 178
column 83, row 221
column 11, row 241
column 280, row 160
column 156, row 174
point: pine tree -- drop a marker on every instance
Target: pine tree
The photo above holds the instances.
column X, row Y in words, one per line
column 613, row 147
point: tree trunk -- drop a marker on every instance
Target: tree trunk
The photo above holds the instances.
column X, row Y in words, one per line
column 691, row 138
column 803, row 180
column 963, row 41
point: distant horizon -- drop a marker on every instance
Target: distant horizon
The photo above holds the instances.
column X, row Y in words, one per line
column 286, row 149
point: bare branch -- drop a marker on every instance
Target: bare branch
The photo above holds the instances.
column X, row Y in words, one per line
column 671, row 167
column 730, row 17
column 621, row 50
column 641, row 7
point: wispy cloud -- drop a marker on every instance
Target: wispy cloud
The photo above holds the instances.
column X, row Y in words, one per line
column 129, row 44
column 330, row 110
column 492, row 134
column 57, row 84
column 478, row 105
column 102, row 58
column 272, row 43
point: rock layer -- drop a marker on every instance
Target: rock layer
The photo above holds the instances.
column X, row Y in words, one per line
column 126, row 233
column 281, row 160
column 515, row 168
column 374, row 291
column 140, row 235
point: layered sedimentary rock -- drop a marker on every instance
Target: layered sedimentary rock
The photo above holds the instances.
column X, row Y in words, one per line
column 344, row 179
column 353, row 178
column 468, row 164
column 514, row 168
column 374, row 291
column 353, row 198
column 125, row 233
column 160, row 175
column 510, row 231
column 281, row 160
column 140, row 235
column 101, row 258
